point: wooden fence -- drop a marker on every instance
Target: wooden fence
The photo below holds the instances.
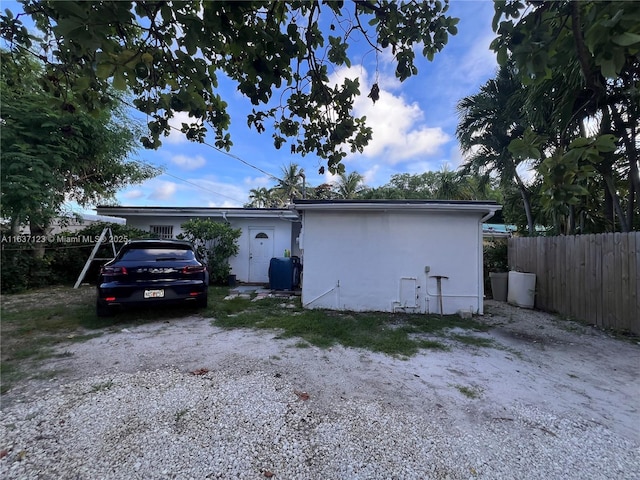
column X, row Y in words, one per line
column 592, row 278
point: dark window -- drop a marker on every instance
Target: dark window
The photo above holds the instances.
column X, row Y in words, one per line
column 146, row 254
column 163, row 231
column 262, row 235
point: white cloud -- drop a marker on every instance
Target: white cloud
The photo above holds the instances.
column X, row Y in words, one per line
column 399, row 133
column 188, row 163
column 370, row 175
column 478, row 64
column 224, row 204
column 163, row 190
column 257, row 182
column 133, row 194
column 214, row 193
column 176, row 136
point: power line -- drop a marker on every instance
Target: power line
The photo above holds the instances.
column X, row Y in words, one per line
column 189, row 182
column 219, row 150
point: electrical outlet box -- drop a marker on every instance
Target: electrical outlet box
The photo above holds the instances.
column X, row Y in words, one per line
column 427, row 269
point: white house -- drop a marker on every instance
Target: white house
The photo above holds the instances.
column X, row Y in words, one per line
column 387, row 255
column 266, row 232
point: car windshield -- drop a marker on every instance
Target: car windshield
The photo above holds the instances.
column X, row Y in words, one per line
column 157, row 254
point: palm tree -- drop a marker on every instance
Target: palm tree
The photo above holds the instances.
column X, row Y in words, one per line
column 451, row 185
column 292, row 183
column 350, row 186
column 260, row 197
column 489, row 121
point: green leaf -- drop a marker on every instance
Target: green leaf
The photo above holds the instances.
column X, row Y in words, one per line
column 606, row 143
column 626, row 39
column 580, row 142
column 119, row 80
column 609, row 68
column 104, row 70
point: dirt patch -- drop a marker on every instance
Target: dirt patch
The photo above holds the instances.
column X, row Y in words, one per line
column 536, row 360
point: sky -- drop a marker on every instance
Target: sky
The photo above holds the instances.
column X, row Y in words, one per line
column 413, row 127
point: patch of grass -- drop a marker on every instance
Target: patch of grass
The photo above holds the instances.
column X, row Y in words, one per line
column 433, row 345
column 47, row 374
column 437, row 324
column 474, row 341
column 393, row 334
column 468, row 392
column 31, row 329
column 10, row 374
column 512, row 351
column 99, row 387
column 33, row 323
column 180, row 414
column 219, row 307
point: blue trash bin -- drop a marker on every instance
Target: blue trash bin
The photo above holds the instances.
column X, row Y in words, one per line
column 284, row 273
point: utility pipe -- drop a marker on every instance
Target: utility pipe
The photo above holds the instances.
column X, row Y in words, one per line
column 322, row 295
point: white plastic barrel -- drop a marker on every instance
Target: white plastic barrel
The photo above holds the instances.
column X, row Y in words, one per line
column 522, row 289
column 499, row 283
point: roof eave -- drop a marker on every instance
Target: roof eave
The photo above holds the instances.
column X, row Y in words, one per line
column 437, row 207
column 194, row 211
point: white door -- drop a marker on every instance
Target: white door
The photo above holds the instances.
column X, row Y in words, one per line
column 260, row 254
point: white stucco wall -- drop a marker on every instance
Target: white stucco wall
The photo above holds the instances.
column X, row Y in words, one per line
column 282, row 236
column 375, row 260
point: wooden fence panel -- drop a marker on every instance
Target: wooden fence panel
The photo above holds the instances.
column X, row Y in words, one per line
column 597, row 287
column 593, row 278
column 635, row 305
column 542, row 282
column 571, row 259
column 637, row 253
column 579, row 275
column 622, row 260
column 594, row 299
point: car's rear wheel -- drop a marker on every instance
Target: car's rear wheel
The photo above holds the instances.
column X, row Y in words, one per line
column 203, row 300
column 103, row 310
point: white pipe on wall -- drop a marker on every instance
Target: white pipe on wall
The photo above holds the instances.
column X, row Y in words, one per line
column 323, row 294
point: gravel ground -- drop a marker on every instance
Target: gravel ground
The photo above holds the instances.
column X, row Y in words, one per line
column 186, row 400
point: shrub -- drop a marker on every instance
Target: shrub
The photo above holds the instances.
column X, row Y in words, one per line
column 68, row 258
column 21, row 270
column 64, row 258
column 495, row 259
column 216, row 243
column 496, row 256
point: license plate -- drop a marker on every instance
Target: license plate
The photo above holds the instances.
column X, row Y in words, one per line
column 153, row 293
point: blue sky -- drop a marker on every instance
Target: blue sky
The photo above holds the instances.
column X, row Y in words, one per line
column 413, row 126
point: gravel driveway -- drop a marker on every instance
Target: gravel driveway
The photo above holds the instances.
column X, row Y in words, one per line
column 184, row 399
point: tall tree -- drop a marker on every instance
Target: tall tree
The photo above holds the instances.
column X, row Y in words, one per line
column 349, row 185
column 550, row 42
column 324, row 191
column 260, row 197
column 444, row 184
column 51, row 153
column 171, row 55
column 452, row 185
column 489, row 121
column 292, row 184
